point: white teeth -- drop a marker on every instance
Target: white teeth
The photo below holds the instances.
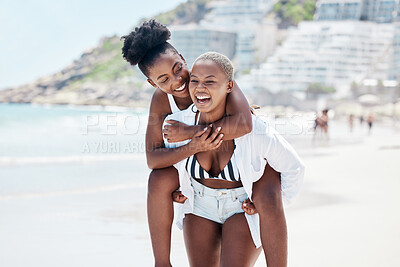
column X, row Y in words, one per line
column 202, row 97
column 180, row 88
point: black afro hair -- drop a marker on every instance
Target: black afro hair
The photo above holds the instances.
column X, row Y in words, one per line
column 145, row 43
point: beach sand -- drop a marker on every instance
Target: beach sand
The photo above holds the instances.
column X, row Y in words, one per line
column 346, row 215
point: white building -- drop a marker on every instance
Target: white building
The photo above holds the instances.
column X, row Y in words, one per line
column 395, row 75
column 333, row 53
column 243, row 17
column 193, row 40
column 338, row 10
column 381, row 11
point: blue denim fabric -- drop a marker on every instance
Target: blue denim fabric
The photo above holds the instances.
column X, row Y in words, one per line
column 217, row 204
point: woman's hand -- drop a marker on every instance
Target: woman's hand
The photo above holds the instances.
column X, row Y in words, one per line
column 178, row 197
column 206, row 140
column 176, row 131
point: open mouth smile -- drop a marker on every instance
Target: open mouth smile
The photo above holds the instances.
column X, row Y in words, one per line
column 180, row 89
column 202, row 99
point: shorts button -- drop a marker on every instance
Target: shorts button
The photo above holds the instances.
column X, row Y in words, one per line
column 219, row 193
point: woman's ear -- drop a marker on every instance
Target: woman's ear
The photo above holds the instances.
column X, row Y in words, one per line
column 152, row 83
column 229, row 87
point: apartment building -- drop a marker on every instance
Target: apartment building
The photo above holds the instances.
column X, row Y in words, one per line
column 333, row 53
column 194, row 40
column 380, row 11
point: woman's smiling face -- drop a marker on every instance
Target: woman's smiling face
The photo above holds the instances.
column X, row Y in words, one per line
column 170, row 73
column 209, row 86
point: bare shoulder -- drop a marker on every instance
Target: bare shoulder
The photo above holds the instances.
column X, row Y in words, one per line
column 159, row 103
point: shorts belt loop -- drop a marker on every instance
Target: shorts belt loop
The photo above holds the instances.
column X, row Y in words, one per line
column 201, row 191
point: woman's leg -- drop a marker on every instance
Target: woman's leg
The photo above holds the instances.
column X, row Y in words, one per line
column 202, row 241
column 237, row 247
column 160, row 212
column 267, row 198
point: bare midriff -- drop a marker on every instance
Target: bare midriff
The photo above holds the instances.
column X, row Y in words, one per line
column 219, row 184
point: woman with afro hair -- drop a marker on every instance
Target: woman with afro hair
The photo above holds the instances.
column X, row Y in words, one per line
column 167, row 72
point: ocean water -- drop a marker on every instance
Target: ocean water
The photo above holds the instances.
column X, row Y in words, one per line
column 72, row 185
column 55, row 149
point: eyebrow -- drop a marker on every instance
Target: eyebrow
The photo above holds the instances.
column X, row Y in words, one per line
column 209, row 76
column 162, row 75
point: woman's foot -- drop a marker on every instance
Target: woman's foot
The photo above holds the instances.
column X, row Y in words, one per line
column 178, row 197
column 249, row 207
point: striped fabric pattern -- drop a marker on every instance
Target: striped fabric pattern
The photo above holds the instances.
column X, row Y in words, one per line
column 229, row 173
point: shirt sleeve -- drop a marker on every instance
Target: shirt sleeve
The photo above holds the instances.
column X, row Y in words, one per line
column 282, row 157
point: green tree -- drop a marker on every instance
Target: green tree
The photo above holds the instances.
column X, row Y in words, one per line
column 292, row 12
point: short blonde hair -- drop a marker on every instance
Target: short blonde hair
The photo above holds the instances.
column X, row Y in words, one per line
column 220, row 60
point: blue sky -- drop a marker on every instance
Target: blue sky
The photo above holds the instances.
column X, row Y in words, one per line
column 41, row 37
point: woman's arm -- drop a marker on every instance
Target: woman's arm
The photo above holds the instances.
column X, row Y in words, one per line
column 160, row 157
column 238, row 120
column 236, row 123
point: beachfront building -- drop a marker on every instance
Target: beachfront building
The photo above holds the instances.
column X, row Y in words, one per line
column 244, row 17
column 396, row 52
column 338, row 10
column 381, row 11
column 330, row 53
column 194, row 40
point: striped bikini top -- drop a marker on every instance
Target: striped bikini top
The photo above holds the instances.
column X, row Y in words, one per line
column 229, row 173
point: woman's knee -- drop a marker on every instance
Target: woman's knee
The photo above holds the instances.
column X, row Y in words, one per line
column 163, row 180
column 269, row 198
column 267, row 191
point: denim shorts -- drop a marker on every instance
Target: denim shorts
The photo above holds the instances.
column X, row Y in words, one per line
column 217, row 204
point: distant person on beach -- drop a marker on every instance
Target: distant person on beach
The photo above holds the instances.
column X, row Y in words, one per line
column 217, row 181
column 361, row 119
column 321, row 123
column 166, row 70
column 351, row 122
column 370, row 121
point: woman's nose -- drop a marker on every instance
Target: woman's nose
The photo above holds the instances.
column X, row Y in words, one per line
column 200, row 86
column 178, row 81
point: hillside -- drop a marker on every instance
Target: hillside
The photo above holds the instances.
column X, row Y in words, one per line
column 290, row 12
column 99, row 77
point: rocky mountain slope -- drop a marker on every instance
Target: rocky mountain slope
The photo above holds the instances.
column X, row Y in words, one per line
column 99, row 77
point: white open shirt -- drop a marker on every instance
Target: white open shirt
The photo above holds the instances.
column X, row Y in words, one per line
column 253, row 150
